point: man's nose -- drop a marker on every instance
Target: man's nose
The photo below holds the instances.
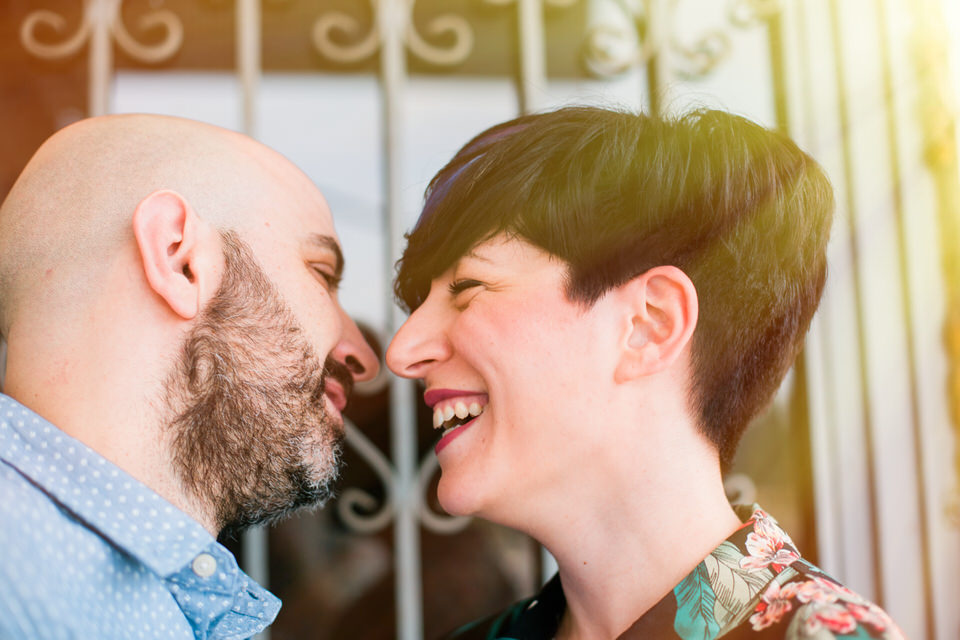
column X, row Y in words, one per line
column 355, row 353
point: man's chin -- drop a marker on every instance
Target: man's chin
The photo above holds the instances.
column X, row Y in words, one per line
column 332, row 416
column 307, row 499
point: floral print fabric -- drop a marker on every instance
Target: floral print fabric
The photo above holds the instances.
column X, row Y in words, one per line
column 754, row 585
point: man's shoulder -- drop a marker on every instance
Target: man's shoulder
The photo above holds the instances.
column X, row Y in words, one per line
column 36, row 535
column 44, row 548
column 805, row 602
column 35, row 529
column 26, row 511
column 61, row 579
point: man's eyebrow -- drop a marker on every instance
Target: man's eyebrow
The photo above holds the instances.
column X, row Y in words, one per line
column 329, row 243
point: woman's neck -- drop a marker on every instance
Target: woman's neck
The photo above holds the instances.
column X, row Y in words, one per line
column 626, row 537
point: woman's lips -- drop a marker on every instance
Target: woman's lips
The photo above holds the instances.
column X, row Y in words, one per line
column 451, row 435
column 432, row 397
column 440, row 399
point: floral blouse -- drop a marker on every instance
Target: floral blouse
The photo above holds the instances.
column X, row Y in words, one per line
column 754, row 585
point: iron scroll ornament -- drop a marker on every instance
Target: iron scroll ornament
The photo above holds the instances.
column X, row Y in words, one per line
column 327, row 25
column 627, row 35
column 95, row 12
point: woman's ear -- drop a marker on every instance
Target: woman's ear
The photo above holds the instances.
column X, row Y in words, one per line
column 661, row 314
column 170, row 238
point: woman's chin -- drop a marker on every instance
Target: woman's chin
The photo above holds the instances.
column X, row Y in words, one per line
column 456, row 499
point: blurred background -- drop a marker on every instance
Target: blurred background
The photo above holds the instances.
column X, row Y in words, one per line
column 857, row 457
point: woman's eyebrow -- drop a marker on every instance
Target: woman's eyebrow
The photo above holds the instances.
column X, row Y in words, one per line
column 329, row 243
column 473, row 255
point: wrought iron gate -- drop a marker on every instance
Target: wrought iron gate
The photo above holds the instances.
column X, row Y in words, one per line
column 859, row 83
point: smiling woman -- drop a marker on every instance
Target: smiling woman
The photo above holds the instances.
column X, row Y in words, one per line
column 494, row 344
column 620, row 294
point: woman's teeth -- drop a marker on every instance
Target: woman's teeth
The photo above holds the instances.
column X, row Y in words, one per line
column 447, row 412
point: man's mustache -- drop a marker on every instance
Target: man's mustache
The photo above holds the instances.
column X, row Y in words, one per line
column 339, row 371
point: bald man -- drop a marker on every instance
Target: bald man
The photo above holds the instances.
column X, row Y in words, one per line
column 177, row 364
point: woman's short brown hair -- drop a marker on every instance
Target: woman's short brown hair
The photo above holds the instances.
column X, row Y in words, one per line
column 739, row 208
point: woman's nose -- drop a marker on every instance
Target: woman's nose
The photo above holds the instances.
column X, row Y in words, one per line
column 418, row 345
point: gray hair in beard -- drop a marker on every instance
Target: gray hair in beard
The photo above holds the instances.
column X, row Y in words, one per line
column 249, row 434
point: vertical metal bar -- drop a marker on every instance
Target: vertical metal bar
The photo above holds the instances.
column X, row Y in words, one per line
column 406, row 533
column 100, row 14
column 392, row 24
column 255, row 540
column 248, row 60
column 658, row 69
column 836, row 36
column 256, row 561
column 778, row 71
column 896, row 179
column 548, row 565
column 533, row 61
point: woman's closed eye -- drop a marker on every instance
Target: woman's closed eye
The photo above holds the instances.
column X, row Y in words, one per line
column 459, row 286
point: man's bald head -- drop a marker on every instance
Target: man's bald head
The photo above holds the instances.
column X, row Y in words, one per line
column 169, row 294
column 69, row 212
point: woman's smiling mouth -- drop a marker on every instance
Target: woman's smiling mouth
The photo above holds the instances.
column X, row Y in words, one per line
column 454, row 411
column 451, row 415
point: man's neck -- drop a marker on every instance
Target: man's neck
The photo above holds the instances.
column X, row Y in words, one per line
column 121, row 424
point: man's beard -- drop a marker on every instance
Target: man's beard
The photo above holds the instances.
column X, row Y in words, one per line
column 250, row 435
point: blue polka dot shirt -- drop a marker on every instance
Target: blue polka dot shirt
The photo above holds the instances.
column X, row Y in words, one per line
column 87, row 551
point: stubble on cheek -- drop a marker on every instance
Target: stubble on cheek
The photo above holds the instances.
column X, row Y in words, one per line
column 249, row 434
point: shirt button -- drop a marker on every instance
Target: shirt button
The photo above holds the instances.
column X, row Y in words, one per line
column 204, row 565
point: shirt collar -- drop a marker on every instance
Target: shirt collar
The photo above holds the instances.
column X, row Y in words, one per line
column 138, row 521
column 106, row 498
column 740, row 568
column 750, row 558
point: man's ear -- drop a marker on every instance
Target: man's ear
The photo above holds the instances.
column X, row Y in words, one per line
column 170, row 237
column 662, row 314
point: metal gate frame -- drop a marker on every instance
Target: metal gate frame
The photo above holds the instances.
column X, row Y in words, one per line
column 614, row 45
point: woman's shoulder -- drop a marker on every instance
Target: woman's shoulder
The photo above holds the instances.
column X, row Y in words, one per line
column 810, row 603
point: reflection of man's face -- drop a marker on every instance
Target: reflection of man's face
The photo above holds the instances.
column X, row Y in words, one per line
column 250, row 432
